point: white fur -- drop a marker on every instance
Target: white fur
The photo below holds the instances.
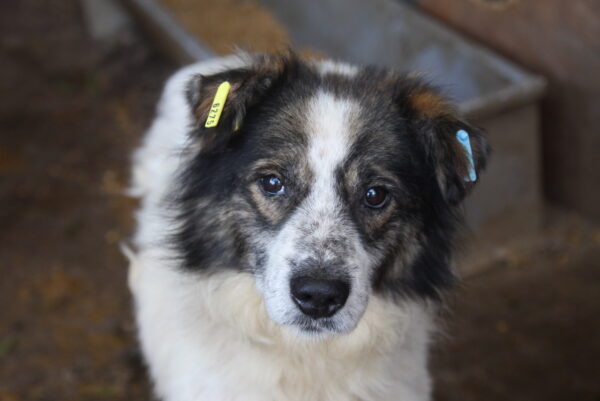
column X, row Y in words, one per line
column 213, row 339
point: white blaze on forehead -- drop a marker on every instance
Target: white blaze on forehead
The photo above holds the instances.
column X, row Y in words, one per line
column 329, row 130
column 329, row 127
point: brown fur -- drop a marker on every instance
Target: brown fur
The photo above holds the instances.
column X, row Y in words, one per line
column 429, row 104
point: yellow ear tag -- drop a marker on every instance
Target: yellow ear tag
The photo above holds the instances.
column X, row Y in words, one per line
column 217, row 106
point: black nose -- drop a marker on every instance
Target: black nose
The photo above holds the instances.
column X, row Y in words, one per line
column 318, row 297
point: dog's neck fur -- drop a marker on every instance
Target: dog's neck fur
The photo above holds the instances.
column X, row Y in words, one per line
column 238, row 353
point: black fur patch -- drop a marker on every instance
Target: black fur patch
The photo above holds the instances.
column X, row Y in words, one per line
column 401, row 145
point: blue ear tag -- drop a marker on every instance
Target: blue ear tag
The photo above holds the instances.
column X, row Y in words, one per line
column 463, row 138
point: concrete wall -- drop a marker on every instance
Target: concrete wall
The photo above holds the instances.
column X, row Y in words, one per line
column 561, row 40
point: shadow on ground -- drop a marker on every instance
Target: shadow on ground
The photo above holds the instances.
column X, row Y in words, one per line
column 70, row 114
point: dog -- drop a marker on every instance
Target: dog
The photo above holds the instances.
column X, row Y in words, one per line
column 300, row 247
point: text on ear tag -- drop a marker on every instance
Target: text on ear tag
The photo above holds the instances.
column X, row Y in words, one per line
column 217, row 105
column 463, row 138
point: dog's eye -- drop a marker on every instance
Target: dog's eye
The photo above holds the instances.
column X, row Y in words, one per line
column 271, row 185
column 376, row 197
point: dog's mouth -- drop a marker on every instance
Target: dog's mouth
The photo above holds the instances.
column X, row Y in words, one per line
column 310, row 326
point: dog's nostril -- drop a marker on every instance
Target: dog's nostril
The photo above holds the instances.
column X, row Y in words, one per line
column 304, row 296
column 319, row 297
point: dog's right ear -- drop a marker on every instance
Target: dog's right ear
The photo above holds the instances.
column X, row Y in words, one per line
column 248, row 86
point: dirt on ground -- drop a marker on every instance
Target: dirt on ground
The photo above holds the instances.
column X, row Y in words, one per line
column 224, row 25
column 527, row 327
column 72, row 110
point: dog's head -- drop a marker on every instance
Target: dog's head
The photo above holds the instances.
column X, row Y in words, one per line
column 327, row 183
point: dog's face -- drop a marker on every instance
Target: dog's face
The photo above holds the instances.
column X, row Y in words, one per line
column 327, row 186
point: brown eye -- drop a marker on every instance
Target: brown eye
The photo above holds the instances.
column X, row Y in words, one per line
column 376, row 197
column 271, row 185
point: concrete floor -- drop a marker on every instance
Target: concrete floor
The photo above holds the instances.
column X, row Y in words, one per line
column 527, row 328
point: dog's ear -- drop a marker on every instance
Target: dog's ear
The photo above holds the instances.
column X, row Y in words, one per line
column 437, row 124
column 248, row 85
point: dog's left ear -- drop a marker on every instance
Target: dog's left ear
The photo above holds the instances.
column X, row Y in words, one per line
column 248, row 85
column 436, row 123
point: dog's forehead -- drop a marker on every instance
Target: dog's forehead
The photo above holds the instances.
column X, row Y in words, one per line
column 330, row 115
column 342, row 131
column 331, row 128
